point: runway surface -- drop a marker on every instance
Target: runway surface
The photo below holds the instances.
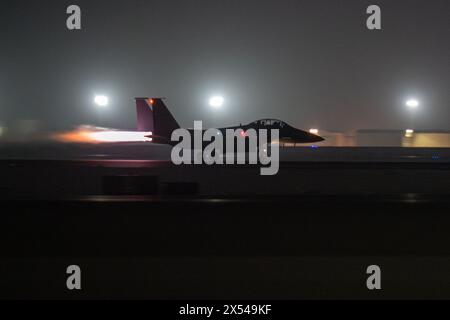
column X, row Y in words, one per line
column 144, row 228
column 65, row 178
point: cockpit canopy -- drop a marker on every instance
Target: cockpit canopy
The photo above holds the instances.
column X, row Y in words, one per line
column 270, row 123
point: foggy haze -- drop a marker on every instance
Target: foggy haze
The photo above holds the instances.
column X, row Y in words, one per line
column 311, row 63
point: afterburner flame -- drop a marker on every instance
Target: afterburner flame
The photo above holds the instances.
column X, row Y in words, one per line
column 88, row 134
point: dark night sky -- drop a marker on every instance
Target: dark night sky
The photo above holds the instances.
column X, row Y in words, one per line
column 309, row 62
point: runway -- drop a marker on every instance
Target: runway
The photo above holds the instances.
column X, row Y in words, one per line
column 144, row 151
column 190, row 232
column 93, row 177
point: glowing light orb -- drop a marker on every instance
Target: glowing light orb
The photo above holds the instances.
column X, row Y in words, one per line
column 409, row 133
column 314, row 131
column 101, row 101
column 216, row 102
column 412, row 103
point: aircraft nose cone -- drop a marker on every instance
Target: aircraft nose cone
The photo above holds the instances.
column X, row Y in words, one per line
column 315, row 138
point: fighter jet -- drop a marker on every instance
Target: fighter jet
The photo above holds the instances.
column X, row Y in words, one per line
column 154, row 116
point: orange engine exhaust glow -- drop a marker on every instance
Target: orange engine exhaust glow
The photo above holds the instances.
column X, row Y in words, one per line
column 87, row 134
column 120, row 136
